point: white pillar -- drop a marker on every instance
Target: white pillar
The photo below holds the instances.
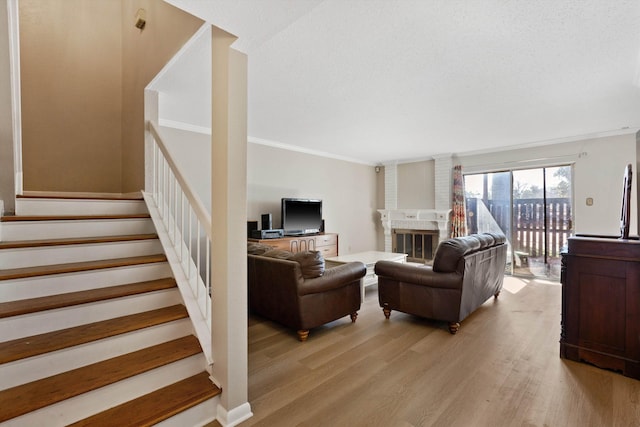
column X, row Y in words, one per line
column 444, row 191
column 390, row 199
column 228, row 223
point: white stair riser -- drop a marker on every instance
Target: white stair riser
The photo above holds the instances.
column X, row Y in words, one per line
column 51, row 320
column 50, row 255
column 35, row 230
column 45, row 365
column 79, row 207
column 34, row 287
column 87, row 404
column 199, row 415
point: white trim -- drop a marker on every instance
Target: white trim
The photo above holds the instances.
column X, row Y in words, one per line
column 14, row 60
column 184, row 126
column 207, row 131
column 234, row 416
column 546, row 162
column 573, row 138
column 290, row 147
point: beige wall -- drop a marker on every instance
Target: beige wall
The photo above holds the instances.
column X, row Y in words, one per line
column 144, row 53
column 349, row 192
column 6, row 137
column 70, row 72
column 84, row 67
column 416, row 185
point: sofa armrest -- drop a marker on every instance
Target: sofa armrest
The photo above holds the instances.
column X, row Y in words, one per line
column 333, row 278
column 422, row 275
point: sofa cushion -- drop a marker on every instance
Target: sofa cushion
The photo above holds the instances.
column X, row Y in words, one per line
column 311, row 263
column 257, row 248
column 486, row 240
column 450, row 251
column 498, row 238
column 278, row 253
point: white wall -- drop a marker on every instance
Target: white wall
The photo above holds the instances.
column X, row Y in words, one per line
column 192, row 153
column 348, row 191
column 598, row 172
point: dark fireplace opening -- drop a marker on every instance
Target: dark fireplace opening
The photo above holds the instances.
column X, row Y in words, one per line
column 419, row 245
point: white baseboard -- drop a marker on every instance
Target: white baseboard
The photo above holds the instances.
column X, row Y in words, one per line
column 234, row 416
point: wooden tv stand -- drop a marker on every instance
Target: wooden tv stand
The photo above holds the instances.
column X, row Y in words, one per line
column 326, row 243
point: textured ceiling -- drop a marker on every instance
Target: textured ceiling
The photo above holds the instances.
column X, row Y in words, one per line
column 386, row 80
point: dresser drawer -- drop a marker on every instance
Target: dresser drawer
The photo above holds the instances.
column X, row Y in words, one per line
column 326, row 240
column 328, row 251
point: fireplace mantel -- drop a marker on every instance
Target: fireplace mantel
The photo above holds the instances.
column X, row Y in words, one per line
column 416, row 219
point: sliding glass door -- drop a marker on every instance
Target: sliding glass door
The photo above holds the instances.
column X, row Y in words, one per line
column 532, row 207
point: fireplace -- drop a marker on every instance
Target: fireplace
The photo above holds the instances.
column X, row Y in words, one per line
column 418, row 229
column 419, row 245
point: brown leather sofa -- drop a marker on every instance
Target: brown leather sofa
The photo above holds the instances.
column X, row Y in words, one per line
column 466, row 272
column 297, row 291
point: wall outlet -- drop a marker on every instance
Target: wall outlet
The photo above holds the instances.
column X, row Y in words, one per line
column 589, row 201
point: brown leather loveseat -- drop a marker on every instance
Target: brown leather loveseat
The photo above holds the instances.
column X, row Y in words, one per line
column 466, row 272
column 297, row 291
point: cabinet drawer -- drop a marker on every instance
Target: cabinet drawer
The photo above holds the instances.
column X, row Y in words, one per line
column 285, row 245
column 328, row 251
column 326, row 240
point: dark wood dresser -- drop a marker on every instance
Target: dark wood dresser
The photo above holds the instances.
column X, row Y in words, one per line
column 601, row 303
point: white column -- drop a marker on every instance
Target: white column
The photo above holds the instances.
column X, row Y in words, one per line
column 444, row 190
column 391, row 186
column 390, row 199
column 229, row 230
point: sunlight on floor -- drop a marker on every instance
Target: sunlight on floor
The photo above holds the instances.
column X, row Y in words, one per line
column 516, row 284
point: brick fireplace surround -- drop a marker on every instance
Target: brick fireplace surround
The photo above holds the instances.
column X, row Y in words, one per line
column 418, row 219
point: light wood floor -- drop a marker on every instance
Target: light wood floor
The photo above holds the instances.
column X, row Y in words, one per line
column 502, row 369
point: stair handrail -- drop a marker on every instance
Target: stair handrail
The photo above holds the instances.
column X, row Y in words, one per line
column 170, row 194
column 200, row 210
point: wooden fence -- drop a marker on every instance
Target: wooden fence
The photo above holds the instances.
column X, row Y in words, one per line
column 529, row 223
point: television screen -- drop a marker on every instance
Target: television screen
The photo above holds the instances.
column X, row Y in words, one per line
column 301, row 216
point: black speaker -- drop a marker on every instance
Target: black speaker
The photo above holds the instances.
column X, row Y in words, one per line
column 251, row 226
column 266, row 221
column 322, row 226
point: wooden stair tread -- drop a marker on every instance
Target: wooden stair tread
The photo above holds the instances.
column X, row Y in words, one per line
column 75, row 241
column 22, row 348
column 157, row 406
column 135, row 196
column 21, row 273
column 29, row 397
column 34, row 305
column 14, row 218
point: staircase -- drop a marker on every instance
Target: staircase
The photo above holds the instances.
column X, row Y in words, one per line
column 93, row 330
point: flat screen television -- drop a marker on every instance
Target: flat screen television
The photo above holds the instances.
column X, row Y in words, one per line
column 301, row 216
